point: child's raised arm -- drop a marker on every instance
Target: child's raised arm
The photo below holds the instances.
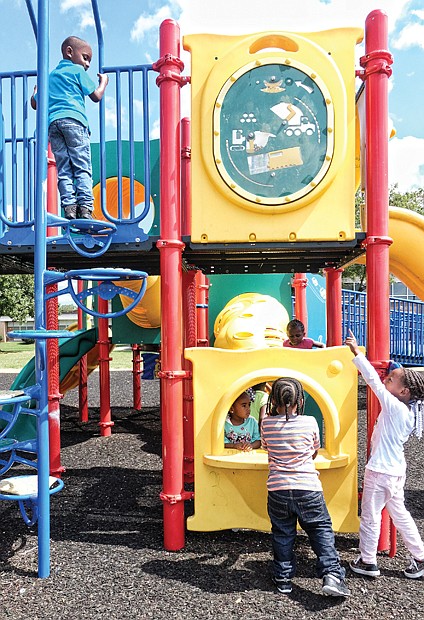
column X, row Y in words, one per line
column 100, row 90
column 352, row 343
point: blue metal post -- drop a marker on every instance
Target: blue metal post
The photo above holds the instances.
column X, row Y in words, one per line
column 102, row 121
column 40, row 262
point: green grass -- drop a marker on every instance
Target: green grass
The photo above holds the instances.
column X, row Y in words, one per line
column 14, row 355
column 121, row 359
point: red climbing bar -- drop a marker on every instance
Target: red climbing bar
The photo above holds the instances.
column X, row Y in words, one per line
column 52, row 320
column 54, row 396
column 334, row 306
column 185, row 177
column 190, row 340
column 104, row 371
column 377, row 70
column 202, row 307
column 169, row 80
column 299, row 283
column 137, row 371
column 83, row 367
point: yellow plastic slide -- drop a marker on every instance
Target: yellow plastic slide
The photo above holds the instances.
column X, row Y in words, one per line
column 406, row 228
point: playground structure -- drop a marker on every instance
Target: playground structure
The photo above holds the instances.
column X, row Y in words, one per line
column 265, row 219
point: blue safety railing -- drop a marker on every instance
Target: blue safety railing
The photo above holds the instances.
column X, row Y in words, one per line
column 354, row 315
column 406, row 325
column 129, row 87
column 17, row 148
column 407, row 331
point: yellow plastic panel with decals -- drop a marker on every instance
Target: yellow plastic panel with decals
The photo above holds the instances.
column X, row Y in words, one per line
column 273, row 136
column 230, row 486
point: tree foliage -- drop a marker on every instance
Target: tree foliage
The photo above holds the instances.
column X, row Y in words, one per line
column 412, row 200
column 67, row 308
column 17, row 296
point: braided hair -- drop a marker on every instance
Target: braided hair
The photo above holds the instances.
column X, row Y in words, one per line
column 295, row 324
column 414, row 381
column 286, row 392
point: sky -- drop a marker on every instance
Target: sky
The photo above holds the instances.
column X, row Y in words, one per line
column 131, row 30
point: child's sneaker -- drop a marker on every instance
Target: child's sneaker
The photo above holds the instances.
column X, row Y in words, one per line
column 84, row 213
column 284, row 586
column 359, row 567
column 415, row 569
column 334, row 586
column 70, row 212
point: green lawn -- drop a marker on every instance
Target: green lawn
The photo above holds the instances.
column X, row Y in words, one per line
column 14, row 355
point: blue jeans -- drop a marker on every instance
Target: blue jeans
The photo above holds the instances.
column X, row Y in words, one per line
column 285, row 508
column 70, row 143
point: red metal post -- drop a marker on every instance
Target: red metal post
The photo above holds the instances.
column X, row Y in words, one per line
column 52, row 320
column 52, row 204
column 83, row 372
column 202, row 307
column 137, row 371
column 104, row 371
column 54, row 397
column 185, row 177
column 299, row 283
column 334, row 306
column 170, row 248
column 190, row 340
column 377, row 70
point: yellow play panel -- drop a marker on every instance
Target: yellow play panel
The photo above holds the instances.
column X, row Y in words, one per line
column 230, row 486
column 273, row 136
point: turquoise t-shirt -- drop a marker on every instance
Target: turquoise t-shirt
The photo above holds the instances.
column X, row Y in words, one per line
column 248, row 431
column 69, row 84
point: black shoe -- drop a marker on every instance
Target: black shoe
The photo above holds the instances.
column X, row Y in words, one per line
column 415, row 569
column 84, row 213
column 70, row 212
column 369, row 570
column 334, row 586
column 284, row 586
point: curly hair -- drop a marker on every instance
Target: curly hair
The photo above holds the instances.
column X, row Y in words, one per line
column 414, row 381
column 286, row 392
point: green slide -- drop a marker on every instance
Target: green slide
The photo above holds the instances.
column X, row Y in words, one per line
column 70, row 352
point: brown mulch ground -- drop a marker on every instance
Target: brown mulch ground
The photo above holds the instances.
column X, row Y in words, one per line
column 107, row 553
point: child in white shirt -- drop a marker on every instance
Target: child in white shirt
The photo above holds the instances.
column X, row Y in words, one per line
column 400, row 396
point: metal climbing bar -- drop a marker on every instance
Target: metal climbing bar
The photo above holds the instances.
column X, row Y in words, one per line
column 17, row 148
column 134, row 94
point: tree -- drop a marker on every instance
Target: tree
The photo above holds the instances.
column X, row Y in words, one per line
column 357, row 273
column 412, row 200
column 67, row 308
column 17, row 296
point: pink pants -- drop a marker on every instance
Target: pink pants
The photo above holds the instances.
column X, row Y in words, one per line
column 382, row 490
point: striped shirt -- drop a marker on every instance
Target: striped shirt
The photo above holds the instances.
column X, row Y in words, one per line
column 291, row 445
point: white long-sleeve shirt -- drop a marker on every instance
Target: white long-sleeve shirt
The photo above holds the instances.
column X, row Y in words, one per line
column 393, row 427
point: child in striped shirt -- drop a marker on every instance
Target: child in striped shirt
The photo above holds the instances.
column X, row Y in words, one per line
column 295, row 491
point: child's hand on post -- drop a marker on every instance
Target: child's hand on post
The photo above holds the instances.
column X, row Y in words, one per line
column 33, row 99
column 352, row 343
